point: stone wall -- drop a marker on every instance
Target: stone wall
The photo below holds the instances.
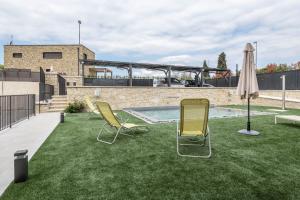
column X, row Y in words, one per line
column 124, row 97
column 290, row 94
column 32, row 57
column 16, row 87
column 51, row 79
column 276, row 103
column 273, row 98
column 70, row 80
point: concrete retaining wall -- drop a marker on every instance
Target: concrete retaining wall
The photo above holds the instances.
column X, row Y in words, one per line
column 16, row 87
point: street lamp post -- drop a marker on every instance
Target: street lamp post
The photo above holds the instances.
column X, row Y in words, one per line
column 255, row 53
column 79, row 23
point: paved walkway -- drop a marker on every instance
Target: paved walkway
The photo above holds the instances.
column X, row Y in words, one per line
column 28, row 134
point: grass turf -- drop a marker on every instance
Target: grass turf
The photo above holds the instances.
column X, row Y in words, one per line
column 71, row 164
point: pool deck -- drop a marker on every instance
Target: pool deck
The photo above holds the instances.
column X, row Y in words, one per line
column 28, row 134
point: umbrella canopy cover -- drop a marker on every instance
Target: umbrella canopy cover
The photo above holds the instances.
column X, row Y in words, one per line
column 248, row 86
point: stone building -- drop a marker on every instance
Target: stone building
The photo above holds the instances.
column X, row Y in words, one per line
column 54, row 59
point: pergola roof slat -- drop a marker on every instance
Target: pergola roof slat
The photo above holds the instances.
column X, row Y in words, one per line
column 150, row 66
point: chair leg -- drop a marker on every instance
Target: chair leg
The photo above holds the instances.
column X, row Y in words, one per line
column 194, row 156
column 107, row 142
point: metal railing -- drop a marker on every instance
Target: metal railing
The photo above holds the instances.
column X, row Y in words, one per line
column 61, row 85
column 25, row 75
column 15, row 108
column 117, row 82
column 267, row 81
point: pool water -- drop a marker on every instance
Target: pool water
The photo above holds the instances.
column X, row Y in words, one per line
column 167, row 114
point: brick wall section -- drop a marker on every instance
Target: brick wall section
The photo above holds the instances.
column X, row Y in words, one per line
column 124, row 97
column 32, row 58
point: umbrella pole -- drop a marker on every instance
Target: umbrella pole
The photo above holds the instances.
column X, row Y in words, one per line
column 248, row 122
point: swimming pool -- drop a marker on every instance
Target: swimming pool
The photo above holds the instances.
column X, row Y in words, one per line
column 171, row 113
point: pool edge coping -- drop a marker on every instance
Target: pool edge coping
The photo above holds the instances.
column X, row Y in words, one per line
column 151, row 120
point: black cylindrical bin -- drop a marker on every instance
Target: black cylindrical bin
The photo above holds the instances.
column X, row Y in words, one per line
column 62, row 117
column 21, row 166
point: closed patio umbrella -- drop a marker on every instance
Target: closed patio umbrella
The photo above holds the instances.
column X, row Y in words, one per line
column 248, row 87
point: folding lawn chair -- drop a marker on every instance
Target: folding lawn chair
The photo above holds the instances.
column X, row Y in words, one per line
column 193, row 125
column 112, row 121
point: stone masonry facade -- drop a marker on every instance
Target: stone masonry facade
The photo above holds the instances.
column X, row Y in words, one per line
column 125, row 97
column 31, row 57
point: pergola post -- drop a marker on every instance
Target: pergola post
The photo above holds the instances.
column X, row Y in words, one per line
column 169, row 77
column 105, row 73
column 130, row 75
column 202, row 75
column 197, row 79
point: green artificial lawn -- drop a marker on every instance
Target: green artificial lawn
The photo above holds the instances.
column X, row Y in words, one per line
column 71, row 164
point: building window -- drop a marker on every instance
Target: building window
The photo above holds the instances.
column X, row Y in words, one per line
column 48, row 70
column 74, row 83
column 17, row 55
column 52, row 55
column 68, row 83
column 84, row 56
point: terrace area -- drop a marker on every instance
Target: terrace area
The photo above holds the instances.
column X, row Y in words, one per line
column 72, row 164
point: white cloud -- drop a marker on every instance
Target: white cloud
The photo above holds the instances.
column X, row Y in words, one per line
column 166, row 31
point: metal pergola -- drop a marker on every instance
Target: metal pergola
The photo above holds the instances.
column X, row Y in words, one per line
column 167, row 69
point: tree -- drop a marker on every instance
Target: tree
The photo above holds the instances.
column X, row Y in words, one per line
column 222, row 61
column 273, row 67
column 205, row 73
column 1, row 66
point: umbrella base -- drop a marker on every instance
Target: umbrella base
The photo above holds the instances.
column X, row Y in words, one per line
column 246, row 132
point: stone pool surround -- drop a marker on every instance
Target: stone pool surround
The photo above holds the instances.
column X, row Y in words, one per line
column 126, row 97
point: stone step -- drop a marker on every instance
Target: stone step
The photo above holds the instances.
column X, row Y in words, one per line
column 59, row 96
column 58, row 106
column 56, row 110
column 59, row 102
column 59, row 99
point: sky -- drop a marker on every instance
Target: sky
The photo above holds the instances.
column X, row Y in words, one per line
column 159, row 31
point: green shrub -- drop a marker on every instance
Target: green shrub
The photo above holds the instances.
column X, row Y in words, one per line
column 75, row 107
